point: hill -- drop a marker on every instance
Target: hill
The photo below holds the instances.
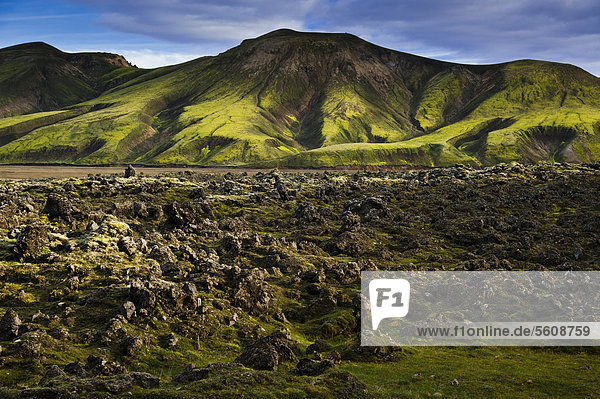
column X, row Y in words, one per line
column 38, row 77
column 296, row 99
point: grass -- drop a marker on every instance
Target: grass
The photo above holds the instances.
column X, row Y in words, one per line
column 483, row 372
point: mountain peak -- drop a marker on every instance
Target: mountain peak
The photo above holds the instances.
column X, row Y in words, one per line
column 43, row 77
column 32, row 46
column 286, row 33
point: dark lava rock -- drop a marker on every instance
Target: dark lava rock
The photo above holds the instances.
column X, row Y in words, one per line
column 31, row 241
column 121, row 383
column 46, row 393
column 312, row 367
column 281, row 190
column 318, row 346
column 93, row 362
column 33, row 344
column 53, row 372
column 9, row 325
column 350, row 221
column 59, row 333
column 145, row 380
column 353, row 243
column 131, row 345
column 253, row 296
column 307, row 212
column 169, row 340
column 191, row 374
column 127, row 309
column 97, row 365
column 130, row 172
column 181, row 215
column 365, row 205
column 141, row 296
column 231, row 244
column 89, row 386
column 114, row 330
column 162, row 255
column 266, row 353
column 75, row 369
column 59, row 207
column 128, row 245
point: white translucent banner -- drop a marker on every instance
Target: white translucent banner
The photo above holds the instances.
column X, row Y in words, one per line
column 480, row 308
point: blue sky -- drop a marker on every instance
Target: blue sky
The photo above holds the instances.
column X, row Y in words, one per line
column 159, row 32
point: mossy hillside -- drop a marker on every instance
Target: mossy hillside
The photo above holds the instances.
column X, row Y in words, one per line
column 401, row 154
column 39, row 77
column 18, row 126
column 103, row 131
column 285, row 94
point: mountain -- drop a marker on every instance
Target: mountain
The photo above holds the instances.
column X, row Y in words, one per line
column 294, row 99
column 38, row 77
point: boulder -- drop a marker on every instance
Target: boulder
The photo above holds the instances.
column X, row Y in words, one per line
column 131, row 345
column 312, row 367
column 191, row 374
column 162, row 255
column 169, row 340
column 318, row 347
column 98, row 365
column 141, row 296
column 266, row 353
column 53, row 372
column 9, row 325
column 127, row 245
column 32, row 241
column 127, row 309
column 33, row 344
column 76, row 369
column 59, row 207
column 307, row 212
column 145, row 380
column 130, row 172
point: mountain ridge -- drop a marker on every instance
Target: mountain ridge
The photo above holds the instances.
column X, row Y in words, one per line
column 288, row 98
column 33, row 76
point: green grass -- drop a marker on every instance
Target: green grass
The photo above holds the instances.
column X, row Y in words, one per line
column 483, row 372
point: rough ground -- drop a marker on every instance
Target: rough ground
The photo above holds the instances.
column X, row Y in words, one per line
column 227, row 285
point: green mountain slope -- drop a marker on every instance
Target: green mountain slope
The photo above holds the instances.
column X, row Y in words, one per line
column 39, row 77
column 310, row 99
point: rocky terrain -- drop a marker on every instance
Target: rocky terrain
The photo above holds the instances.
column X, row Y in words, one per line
column 189, row 285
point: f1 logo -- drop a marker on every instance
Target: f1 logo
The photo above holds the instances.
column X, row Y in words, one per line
column 389, row 298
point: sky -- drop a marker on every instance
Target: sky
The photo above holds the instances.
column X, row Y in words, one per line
column 151, row 33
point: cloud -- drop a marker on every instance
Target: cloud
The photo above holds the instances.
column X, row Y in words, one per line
column 209, row 21
column 142, row 58
column 481, row 31
column 153, row 59
column 18, row 18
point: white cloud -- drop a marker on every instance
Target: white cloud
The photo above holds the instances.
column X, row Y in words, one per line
column 485, row 31
column 143, row 58
column 151, row 58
